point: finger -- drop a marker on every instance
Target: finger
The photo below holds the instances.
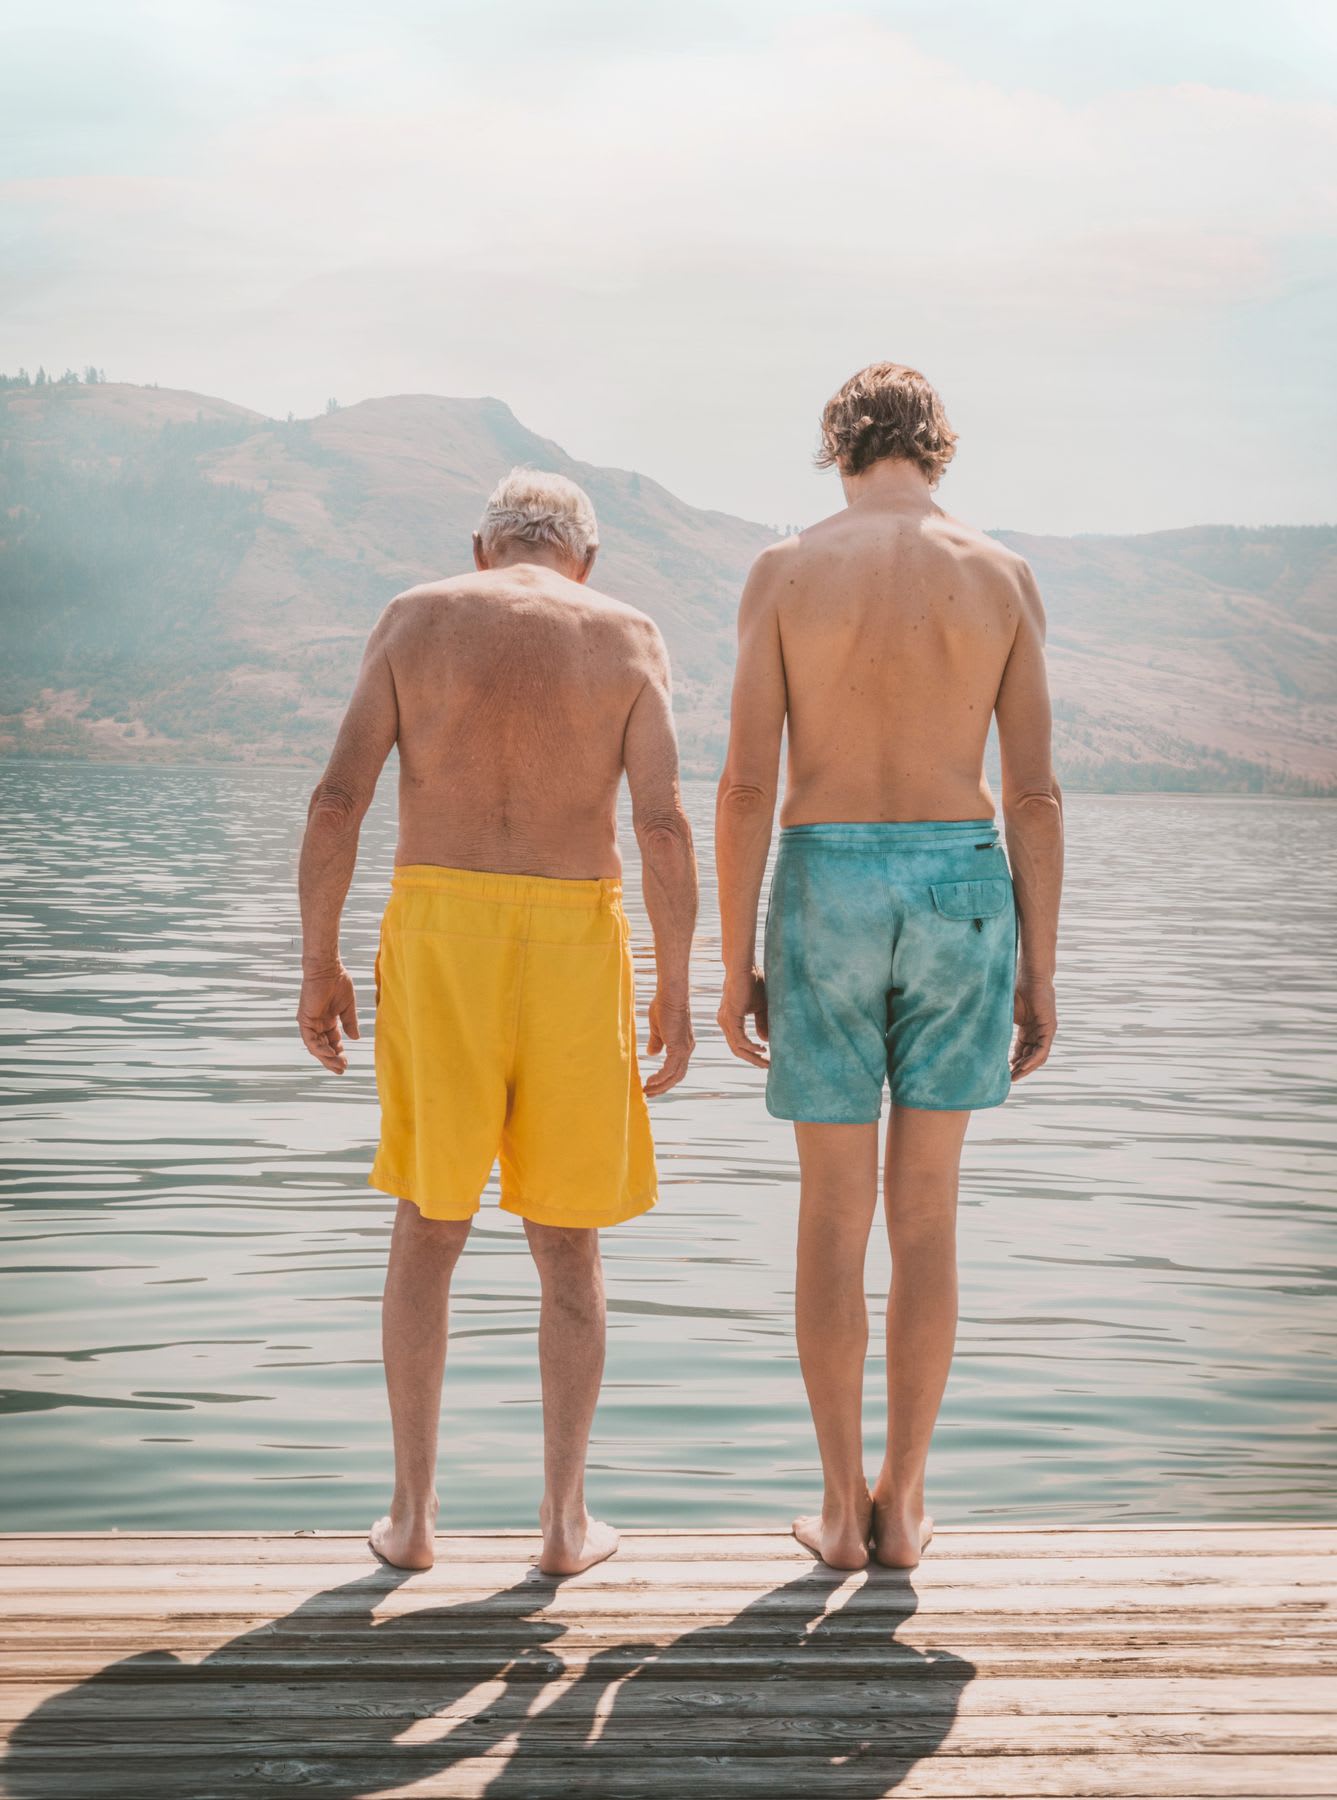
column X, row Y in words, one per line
column 348, row 1017
column 655, row 1042
column 324, row 1046
column 763, row 1018
column 670, row 1072
column 328, row 1058
column 1040, row 1049
column 661, row 1081
column 742, row 1045
column 654, row 1083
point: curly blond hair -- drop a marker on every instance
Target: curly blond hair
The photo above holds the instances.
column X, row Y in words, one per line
column 886, row 410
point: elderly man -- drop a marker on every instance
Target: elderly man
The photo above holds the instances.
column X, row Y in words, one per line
column 505, row 1020
column 886, row 639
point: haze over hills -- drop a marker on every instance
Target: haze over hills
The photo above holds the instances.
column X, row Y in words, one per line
column 183, row 579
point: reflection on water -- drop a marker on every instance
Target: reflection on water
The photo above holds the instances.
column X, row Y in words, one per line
column 189, row 1330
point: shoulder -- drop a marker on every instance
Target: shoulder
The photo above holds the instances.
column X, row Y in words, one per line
column 420, row 612
column 1014, row 569
column 629, row 640
column 413, row 604
column 621, row 619
column 988, row 556
column 428, row 593
column 773, row 572
column 776, row 562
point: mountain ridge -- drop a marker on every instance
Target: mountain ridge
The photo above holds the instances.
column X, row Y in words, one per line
column 182, row 578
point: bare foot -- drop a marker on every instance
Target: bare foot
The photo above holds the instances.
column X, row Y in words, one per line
column 900, row 1533
column 567, row 1549
column 404, row 1543
column 840, row 1542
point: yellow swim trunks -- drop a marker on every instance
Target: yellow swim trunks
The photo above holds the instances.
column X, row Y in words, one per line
column 505, row 1023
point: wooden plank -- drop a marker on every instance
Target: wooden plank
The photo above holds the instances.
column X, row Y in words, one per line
column 90, row 1549
column 598, row 1714
column 755, row 1696
column 477, row 1577
column 1162, row 1528
column 161, row 1772
column 448, row 1663
column 716, row 1603
column 435, row 1628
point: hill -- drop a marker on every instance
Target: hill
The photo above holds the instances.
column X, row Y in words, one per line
column 183, row 579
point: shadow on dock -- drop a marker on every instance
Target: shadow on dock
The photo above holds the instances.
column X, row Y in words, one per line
column 329, row 1700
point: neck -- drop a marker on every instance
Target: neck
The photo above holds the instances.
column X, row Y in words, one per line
column 510, row 556
column 891, row 482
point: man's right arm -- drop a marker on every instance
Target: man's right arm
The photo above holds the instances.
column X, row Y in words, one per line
column 668, row 865
column 745, row 809
column 1033, row 816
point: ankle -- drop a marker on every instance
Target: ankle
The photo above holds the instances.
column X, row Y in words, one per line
column 846, row 1502
column 414, row 1509
column 568, row 1514
column 904, row 1497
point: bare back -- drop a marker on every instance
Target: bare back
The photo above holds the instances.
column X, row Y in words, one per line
column 516, row 698
column 895, row 630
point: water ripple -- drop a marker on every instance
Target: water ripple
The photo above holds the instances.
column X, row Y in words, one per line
column 1147, row 1276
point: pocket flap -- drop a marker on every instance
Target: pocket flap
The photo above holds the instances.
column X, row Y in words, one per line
column 971, row 899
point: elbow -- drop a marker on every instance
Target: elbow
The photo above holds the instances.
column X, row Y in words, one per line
column 1042, row 801
column 334, row 807
column 664, row 836
column 741, row 800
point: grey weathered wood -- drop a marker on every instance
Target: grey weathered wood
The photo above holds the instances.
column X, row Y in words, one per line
column 1156, row 1663
column 755, row 1695
column 670, row 1776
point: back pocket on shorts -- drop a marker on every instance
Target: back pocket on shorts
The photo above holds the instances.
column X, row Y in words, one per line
column 971, row 899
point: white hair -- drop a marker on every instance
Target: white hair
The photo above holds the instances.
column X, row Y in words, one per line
column 532, row 506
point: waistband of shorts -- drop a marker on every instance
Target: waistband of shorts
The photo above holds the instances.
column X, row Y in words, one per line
column 600, row 894
column 879, row 838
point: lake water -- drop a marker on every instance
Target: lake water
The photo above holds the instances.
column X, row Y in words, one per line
column 192, row 1260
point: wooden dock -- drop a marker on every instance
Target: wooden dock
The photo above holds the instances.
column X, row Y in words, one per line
column 1157, row 1662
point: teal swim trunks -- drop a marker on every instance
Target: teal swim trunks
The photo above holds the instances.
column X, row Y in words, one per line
column 891, row 955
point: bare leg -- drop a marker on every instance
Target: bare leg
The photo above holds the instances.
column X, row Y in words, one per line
column 838, row 1165
column 923, row 1168
column 423, row 1254
column 571, row 1365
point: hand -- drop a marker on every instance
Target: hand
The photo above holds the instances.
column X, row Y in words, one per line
column 327, row 1002
column 744, row 999
column 1036, row 1015
column 671, row 1033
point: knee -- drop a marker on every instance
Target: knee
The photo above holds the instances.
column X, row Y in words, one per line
column 565, row 1255
column 437, row 1240
column 921, row 1208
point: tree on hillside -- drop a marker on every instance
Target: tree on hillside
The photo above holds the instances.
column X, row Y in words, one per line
column 39, row 379
column 91, row 376
column 331, row 406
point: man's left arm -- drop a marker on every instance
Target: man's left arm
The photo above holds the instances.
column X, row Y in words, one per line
column 329, row 849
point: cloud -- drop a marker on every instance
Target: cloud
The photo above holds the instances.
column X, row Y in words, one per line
column 669, row 258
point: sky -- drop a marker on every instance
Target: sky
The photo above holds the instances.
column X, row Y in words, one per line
column 664, row 234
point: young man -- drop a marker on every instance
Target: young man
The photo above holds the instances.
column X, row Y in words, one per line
column 886, row 639
column 505, row 1015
